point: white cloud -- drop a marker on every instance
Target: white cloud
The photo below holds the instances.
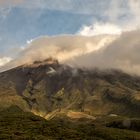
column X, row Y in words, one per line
column 29, row 41
column 63, row 48
column 99, row 29
column 4, row 60
column 121, row 54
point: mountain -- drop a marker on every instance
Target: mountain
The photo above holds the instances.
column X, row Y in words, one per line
column 49, row 100
column 48, row 89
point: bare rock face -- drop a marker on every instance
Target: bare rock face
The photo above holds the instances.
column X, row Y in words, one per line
column 49, row 61
column 47, row 88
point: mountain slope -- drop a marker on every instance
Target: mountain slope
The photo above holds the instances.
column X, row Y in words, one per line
column 16, row 124
column 50, row 89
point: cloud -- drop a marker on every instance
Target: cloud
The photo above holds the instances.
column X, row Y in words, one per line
column 124, row 13
column 4, row 12
column 29, row 41
column 99, row 29
column 7, row 5
column 102, row 51
column 134, row 7
column 120, row 16
column 4, row 60
column 78, row 6
column 123, row 54
column 11, row 2
column 63, row 48
column 110, row 10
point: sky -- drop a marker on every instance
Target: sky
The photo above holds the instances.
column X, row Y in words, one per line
column 25, row 21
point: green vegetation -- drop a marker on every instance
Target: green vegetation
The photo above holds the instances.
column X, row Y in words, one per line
column 18, row 125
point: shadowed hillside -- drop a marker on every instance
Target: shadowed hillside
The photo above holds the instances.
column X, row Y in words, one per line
column 48, row 88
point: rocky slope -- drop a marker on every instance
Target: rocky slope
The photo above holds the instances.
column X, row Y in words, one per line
column 50, row 89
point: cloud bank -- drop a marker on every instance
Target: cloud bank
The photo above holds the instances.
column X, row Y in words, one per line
column 123, row 54
column 63, row 48
column 102, row 51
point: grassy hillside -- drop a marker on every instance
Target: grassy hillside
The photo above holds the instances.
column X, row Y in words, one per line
column 18, row 125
